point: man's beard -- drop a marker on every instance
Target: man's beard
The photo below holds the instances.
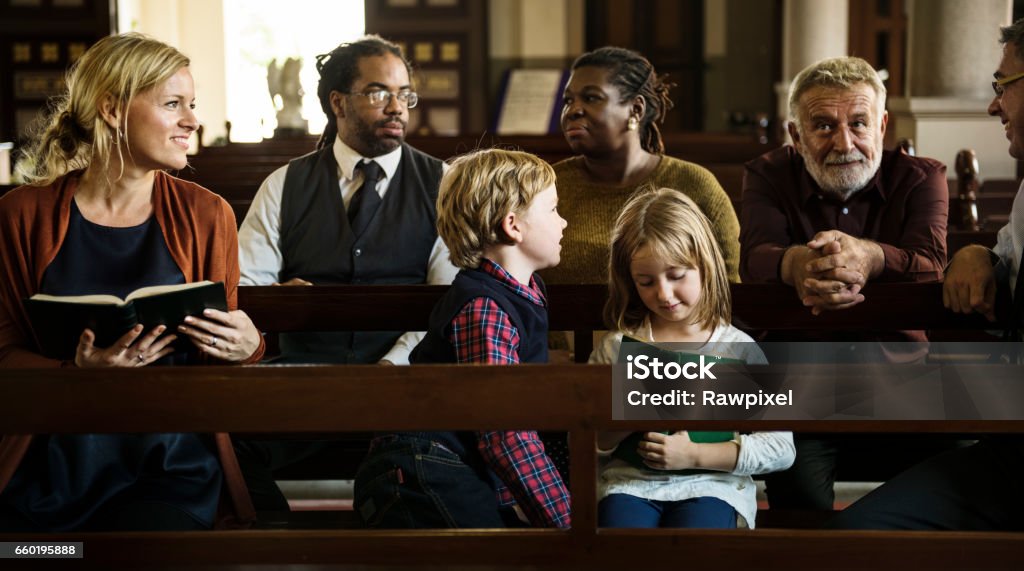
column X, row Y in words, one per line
column 842, row 183
column 376, row 146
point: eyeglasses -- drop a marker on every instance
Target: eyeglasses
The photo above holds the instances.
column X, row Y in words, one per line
column 1000, row 84
column 381, row 97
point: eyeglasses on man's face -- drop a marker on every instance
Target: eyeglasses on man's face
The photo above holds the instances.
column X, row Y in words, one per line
column 999, row 85
column 381, row 97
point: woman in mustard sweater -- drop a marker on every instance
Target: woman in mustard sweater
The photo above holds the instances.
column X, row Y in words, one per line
column 612, row 104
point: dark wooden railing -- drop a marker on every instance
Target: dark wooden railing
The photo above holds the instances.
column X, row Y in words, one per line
column 553, row 397
column 577, row 308
column 573, row 398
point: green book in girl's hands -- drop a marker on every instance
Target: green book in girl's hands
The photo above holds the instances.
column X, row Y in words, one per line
column 627, row 452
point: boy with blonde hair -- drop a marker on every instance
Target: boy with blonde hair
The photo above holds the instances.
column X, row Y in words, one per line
column 497, row 212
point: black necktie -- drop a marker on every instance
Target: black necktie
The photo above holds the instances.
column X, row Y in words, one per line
column 366, row 200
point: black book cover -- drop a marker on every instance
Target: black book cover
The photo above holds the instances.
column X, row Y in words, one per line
column 58, row 321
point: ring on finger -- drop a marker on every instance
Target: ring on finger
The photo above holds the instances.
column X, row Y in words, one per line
column 140, row 357
column 213, row 341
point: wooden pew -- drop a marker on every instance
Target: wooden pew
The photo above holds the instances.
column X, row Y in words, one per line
column 975, row 205
column 554, row 397
column 574, row 308
column 692, row 146
column 321, row 399
column 577, row 308
column 235, row 171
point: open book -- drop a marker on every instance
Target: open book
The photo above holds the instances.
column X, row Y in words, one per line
column 627, row 449
column 58, row 321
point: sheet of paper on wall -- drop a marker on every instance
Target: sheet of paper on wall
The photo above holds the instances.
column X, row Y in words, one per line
column 530, row 102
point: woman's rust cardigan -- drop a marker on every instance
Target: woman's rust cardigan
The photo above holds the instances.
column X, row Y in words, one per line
column 199, row 229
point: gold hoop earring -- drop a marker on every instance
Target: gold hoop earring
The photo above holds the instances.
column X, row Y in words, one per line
column 633, row 123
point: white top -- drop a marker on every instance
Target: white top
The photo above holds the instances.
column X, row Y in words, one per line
column 760, row 452
column 1010, row 242
column 259, row 237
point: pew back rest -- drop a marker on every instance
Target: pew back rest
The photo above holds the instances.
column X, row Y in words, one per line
column 321, row 399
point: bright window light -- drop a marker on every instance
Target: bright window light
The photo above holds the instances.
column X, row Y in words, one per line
column 258, row 31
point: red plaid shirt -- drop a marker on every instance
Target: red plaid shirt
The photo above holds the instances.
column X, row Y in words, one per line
column 483, row 333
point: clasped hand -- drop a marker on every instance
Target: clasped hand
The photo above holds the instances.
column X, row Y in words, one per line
column 832, row 269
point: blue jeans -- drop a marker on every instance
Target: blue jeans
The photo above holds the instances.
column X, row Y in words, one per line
column 408, row 482
column 624, row 510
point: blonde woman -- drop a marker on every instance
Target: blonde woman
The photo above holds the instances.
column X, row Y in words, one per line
column 100, row 215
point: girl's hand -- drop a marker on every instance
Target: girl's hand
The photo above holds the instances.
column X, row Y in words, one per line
column 128, row 351
column 668, row 451
column 229, row 336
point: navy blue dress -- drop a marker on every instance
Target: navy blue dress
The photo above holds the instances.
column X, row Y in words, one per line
column 64, row 480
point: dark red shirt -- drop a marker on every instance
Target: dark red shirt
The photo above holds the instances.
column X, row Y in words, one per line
column 904, row 209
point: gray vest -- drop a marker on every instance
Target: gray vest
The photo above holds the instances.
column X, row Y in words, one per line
column 318, row 245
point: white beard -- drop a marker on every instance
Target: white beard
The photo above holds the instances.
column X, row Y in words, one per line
column 843, row 183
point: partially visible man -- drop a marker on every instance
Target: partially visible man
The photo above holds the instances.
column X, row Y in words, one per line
column 360, row 209
column 831, row 213
column 959, row 490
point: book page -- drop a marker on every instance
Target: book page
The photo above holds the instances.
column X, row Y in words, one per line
column 157, row 290
column 95, row 299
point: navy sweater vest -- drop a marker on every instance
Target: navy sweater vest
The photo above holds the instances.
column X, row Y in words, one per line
column 529, row 319
column 318, row 245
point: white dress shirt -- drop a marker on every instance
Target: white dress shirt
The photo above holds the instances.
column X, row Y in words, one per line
column 259, row 237
column 1010, row 242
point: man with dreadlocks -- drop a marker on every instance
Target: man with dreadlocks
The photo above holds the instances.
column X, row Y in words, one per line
column 358, row 210
column 330, row 217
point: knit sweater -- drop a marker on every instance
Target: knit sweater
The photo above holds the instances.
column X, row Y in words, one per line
column 592, row 207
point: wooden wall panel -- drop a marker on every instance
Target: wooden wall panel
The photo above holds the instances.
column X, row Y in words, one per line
column 39, row 39
column 670, row 33
column 878, row 33
column 446, row 41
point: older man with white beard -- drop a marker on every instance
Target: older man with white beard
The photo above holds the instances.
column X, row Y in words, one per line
column 835, row 210
column 828, row 214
